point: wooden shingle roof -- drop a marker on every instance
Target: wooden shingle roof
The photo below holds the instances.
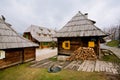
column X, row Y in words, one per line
column 9, row 38
column 80, row 26
column 41, row 34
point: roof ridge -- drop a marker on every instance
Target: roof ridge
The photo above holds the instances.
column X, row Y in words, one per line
column 13, row 39
column 80, row 22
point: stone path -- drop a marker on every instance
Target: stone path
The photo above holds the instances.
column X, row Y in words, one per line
column 115, row 50
column 88, row 66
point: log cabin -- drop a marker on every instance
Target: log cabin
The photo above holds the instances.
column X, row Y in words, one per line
column 79, row 32
column 14, row 49
column 40, row 35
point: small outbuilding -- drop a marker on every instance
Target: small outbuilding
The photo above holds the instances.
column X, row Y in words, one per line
column 40, row 35
column 14, row 49
column 79, row 32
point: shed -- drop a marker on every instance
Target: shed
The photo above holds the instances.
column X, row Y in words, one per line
column 40, row 35
column 79, row 32
column 14, row 49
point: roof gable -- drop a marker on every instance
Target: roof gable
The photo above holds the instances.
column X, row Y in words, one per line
column 9, row 38
column 80, row 26
column 41, row 34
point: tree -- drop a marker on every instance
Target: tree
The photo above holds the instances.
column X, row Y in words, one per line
column 113, row 32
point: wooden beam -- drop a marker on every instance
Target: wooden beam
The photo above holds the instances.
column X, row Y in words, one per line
column 99, row 48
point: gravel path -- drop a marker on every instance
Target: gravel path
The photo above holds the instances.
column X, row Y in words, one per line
column 115, row 50
column 42, row 54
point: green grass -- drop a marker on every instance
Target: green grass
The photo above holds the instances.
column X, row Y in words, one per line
column 53, row 58
column 113, row 43
column 23, row 72
column 111, row 58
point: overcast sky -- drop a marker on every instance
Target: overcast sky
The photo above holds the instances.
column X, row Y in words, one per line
column 56, row 13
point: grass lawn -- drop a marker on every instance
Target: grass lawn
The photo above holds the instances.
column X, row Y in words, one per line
column 113, row 43
column 111, row 58
column 53, row 58
column 23, row 72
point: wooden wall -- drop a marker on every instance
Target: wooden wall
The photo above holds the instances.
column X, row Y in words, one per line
column 27, row 35
column 74, row 44
column 41, row 44
column 29, row 54
column 12, row 57
column 17, row 56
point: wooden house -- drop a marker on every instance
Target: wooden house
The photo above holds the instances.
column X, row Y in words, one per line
column 14, row 49
column 79, row 32
column 40, row 35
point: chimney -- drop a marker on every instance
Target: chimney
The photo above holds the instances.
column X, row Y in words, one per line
column 3, row 18
column 86, row 15
column 79, row 12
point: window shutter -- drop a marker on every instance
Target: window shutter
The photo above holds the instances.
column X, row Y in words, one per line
column 2, row 54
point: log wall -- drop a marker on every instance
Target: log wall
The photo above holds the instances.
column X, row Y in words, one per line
column 17, row 56
column 29, row 36
column 74, row 44
column 12, row 57
column 29, row 54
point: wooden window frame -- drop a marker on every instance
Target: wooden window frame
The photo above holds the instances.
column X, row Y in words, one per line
column 64, row 45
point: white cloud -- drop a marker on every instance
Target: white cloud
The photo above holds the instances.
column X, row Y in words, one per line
column 55, row 13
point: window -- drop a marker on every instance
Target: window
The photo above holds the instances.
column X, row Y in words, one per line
column 91, row 44
column 49, row 35
column 39, row 34
column 45, row 43
column 66, row 44
column 49, row 30
column 27, row 36
column 41, row 29
column 2, row 54
column 45, row 34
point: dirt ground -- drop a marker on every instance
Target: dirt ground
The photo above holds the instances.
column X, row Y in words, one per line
column 45, row 53
column 113, row 76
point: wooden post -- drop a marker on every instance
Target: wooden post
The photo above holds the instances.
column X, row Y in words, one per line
column 99, row 48
column 22, row 55
column 119, row 36
column 58, row 46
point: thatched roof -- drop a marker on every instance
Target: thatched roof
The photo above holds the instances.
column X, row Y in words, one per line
column 41, row 34
column 9, row 38
column 80, row 26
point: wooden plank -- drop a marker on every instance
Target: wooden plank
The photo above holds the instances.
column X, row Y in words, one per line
column 71, row 64
column 85, row 66
column 49, row 62
column 88, row 66
column 97, row 66
column 81, row 66
column 114, row 71
column 91, row 66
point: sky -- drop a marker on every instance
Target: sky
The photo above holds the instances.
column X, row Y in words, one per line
column 54, row 14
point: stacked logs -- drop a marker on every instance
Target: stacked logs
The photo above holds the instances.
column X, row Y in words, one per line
column 83, row 53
